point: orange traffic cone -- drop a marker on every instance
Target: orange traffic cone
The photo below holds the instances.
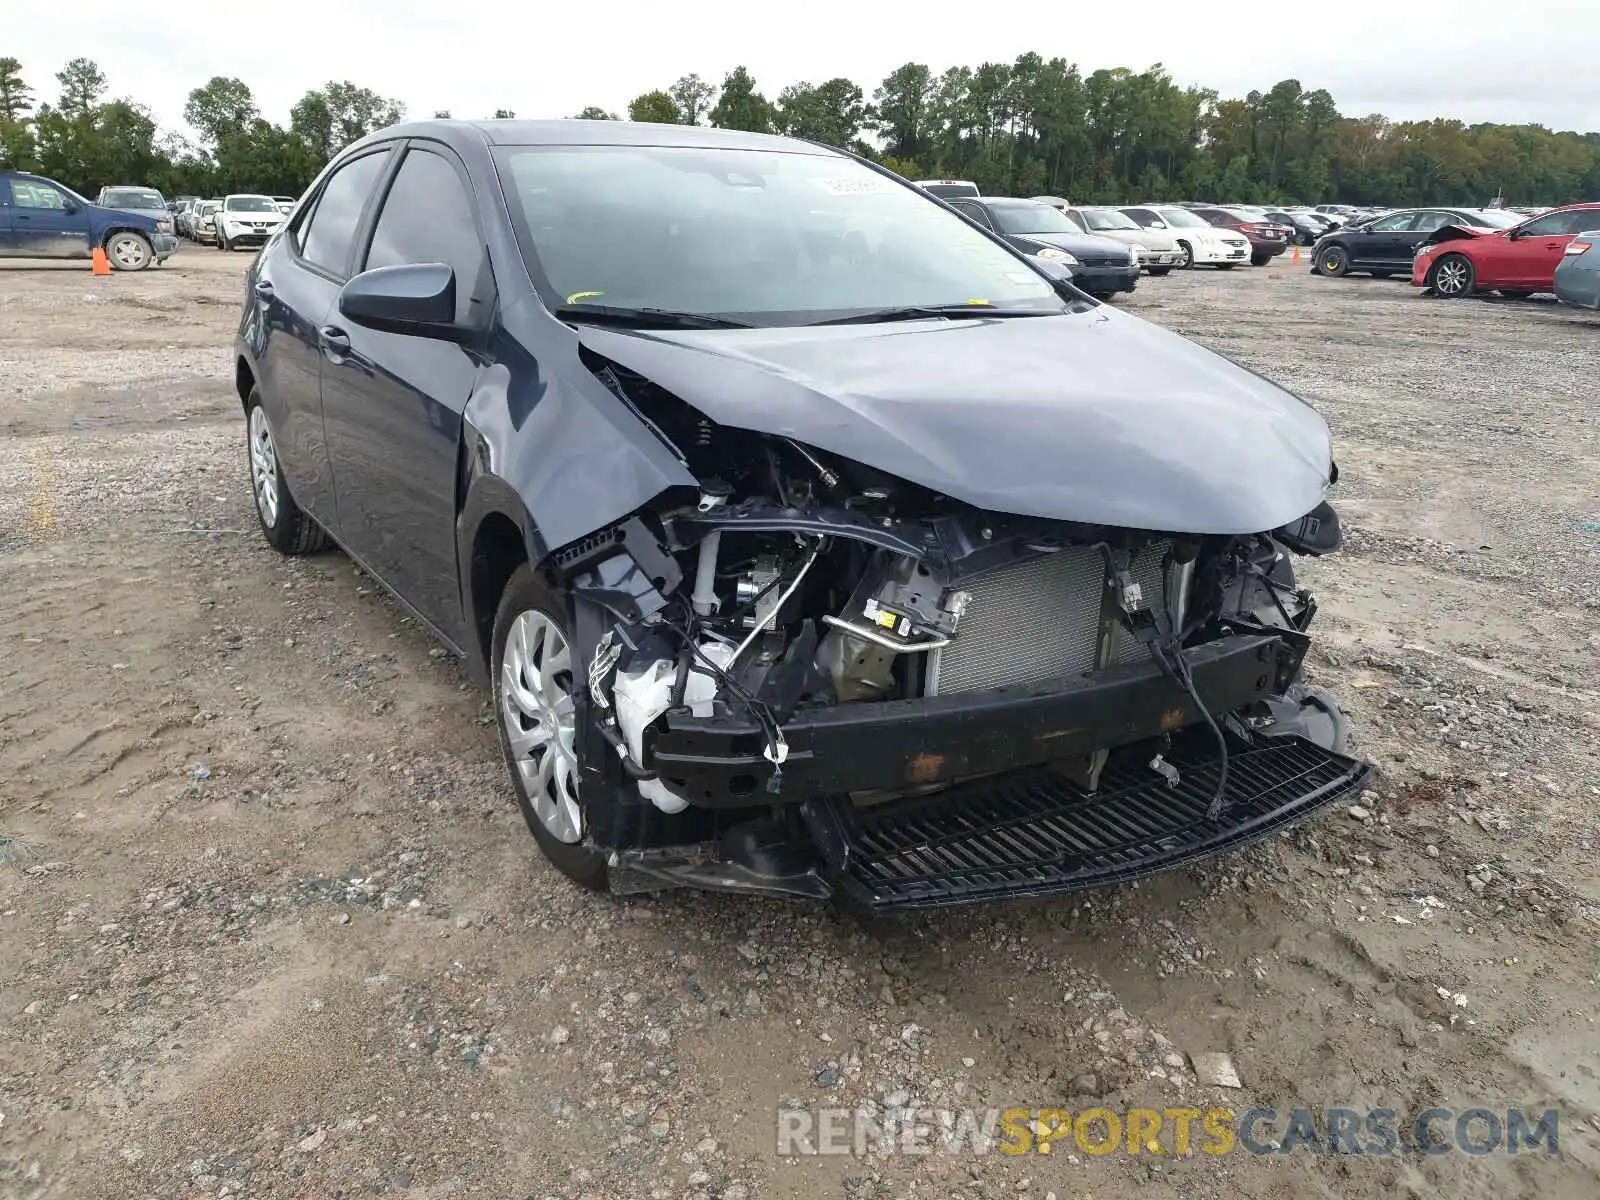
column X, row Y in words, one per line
column 101, row 264
column 1295, row 261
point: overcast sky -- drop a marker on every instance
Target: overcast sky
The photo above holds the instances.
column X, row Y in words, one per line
column 1476, row 60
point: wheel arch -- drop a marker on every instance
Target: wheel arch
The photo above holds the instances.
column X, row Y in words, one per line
column 495, row 534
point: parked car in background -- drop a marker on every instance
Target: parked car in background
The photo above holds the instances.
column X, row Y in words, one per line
column 1458, row 260
column 1158, row 249
column 1200, row 243
column 1577, row 278
column 1267, row 238
column 285, row 204
column 1384, row 246
column 246, row 220
column 946, row 189
column 700, row 497
column 1305, row 227
column 1100, row 266
column 40, row 218
column 203, row 222
column 134, row 199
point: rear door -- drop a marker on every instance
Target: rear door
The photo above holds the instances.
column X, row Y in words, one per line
column 296, row 283
column 6, row 248
column 393, row 403
column 46, row 222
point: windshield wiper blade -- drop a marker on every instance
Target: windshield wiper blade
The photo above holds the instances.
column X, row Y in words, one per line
column 923, row 311
column 647, row 318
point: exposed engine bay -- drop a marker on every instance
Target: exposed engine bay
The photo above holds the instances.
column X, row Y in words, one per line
column 796, row 586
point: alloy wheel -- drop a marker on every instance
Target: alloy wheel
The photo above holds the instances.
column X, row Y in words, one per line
column 536, row 709
column 1451, row 277
column 263, row 467
column 1185, row 256
column 128, row 252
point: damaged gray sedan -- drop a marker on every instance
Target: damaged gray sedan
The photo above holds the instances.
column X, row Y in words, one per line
column 813, row 541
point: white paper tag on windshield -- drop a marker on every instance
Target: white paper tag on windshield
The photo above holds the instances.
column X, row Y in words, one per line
column 860, row 186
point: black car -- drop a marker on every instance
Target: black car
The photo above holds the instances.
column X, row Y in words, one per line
column 1305, row 228
column 813, row 541
column 1101, row 266
column 1385, row 245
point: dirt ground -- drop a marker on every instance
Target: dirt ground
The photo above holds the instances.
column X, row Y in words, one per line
column 278, row 929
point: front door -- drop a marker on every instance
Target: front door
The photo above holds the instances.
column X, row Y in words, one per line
column 392, row 403
column 1533, row 255
column 46, row 222
column 1386, row 243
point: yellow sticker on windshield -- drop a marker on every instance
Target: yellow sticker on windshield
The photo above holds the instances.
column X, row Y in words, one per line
column 979, row 301
column 578, row 297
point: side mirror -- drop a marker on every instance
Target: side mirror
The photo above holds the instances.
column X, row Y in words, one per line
column 1059, row 275
column 416, row 299
column 73, row 207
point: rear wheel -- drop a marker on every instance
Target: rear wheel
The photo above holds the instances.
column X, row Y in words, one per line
column 1453, row 276
column 129, row 251
column 284, row 524
column 1260, row 260
column 1185, row 256
column 534, row 680
column 1159, row 271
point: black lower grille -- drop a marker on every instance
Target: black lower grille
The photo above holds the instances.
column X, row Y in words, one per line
column 1035, row 832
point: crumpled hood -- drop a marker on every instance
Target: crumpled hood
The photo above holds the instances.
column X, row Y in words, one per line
column 1094, row 416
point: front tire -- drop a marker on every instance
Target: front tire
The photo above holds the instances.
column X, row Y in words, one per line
column 284, row 524
column 1334, row 262
column 1452, row 277
column 1186, row 256
column 534, row 680
column 223, row 243
column 129, row 251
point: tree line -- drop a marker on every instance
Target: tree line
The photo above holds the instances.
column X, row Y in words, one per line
column 1029, row 127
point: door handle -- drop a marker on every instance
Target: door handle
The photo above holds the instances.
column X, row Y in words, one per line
column 263, row 290
column 334, row 340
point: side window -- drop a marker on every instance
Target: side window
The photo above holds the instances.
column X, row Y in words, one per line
column 325, row 240
column 1143, row 217
column 1557, row 224
column 1392, row 224
column 27, row 194
column 428, row 217
column 975, row 211
column 1427, row 222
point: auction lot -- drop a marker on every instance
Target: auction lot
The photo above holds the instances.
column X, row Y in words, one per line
column 282, row 933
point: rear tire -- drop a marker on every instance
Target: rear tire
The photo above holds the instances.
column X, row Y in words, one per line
column 524, row 677
column 1260, row 260
column 1160, row 271
column 284, row 524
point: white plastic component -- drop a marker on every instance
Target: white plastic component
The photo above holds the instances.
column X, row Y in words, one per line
column 701, row 686
column 704, row 596
column 643, row 694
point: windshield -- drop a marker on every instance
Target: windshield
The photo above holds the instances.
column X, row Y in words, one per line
column 1182, row 218
column 261, row 204
column 210, row 206
column 1031, row 218
column 1108, row 218
column 761, row 237
column 1498, row 219
column 136, row 198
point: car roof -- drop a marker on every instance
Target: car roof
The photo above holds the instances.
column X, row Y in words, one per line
column 1008, row 202
column 575, row 132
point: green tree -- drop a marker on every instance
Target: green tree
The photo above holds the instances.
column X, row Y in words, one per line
column 82, row 85
column 504, row 114
column 328, row 119
column 833, row 113
column 654, row 106
column 740, row 106
column 595, row 113
column 901, row 104
column 691, row 95
column 221, row 107
column 16, row 107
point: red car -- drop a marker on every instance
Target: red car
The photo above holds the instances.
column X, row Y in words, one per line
column 1517, row 262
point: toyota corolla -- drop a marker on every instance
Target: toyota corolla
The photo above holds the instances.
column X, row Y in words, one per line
column 812, row 540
